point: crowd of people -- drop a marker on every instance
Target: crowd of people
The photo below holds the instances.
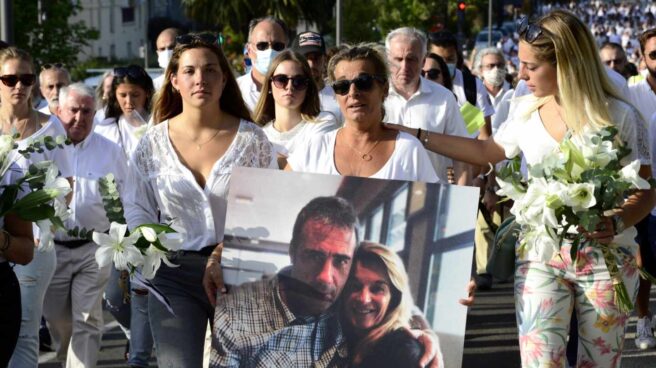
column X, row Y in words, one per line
column 391, row 111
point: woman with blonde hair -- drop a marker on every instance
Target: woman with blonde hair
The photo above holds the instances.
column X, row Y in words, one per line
column 571, row 94
column 289, row 107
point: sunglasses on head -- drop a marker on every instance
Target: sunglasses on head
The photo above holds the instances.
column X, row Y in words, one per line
column 10, row 80
column 431, row 73
column 132, row 71
column 298, row 82
column 278, row 46
column 190, row 38
column 52, row 66
column 364, row 82
column 533, row 31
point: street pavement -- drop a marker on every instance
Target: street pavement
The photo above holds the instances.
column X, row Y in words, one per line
column 490, row 339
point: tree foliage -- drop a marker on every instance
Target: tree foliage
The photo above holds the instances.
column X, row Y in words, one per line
column 53, row 39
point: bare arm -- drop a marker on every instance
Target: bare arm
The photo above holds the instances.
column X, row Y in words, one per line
column 21, row 240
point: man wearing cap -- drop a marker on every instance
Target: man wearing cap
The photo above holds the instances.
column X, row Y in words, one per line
column 313, row 47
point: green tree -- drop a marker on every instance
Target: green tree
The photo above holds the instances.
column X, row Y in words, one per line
column 53, row 39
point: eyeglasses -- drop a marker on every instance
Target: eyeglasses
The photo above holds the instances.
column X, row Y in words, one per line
column 132, row 71
column 52, row 66
column 298, row 82
column 190, row 38
column 433, row 73
column 364, row 82
column 533, row 31
column 652, row 55
column 10, row 80
column 278, row 46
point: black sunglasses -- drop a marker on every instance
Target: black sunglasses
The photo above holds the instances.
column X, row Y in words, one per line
column 298, row 82
column 533, row 31
column 364, row 82
column 431, row 73
column 10, row 80
column 51, row 66
column 278, row 46
column 132, row 71
column 190, row 38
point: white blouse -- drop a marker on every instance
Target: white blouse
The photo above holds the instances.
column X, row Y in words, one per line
column 60, row 156
column 164, row 190
column 285, row 143
column 122, row 133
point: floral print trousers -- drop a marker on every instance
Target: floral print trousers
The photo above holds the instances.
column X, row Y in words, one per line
column 547, row 293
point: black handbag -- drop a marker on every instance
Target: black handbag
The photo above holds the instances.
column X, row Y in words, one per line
column 501, row 264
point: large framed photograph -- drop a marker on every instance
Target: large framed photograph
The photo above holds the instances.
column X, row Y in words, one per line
column 429, row 226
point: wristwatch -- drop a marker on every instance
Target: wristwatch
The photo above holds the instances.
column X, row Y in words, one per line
column 618, row 224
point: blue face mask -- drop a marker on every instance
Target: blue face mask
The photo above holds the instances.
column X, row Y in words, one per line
column 263, row 60
column 452, row 69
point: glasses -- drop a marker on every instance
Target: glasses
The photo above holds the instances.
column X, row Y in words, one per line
column 364, row 82
column 278, row 46
column 52, row 66
column 533, row 31
column 652, row 55
column 132, row 71
column 299, row 83
column 10, row 80
column 433, row 73
column 190, row 38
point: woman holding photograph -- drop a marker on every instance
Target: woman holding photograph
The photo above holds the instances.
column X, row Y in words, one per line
column 547, row 284
column 363, row 147
column 289, row 108
column 376, row 310
column 181, row 173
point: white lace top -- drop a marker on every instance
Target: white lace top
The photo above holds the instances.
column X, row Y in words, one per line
column 160, row 183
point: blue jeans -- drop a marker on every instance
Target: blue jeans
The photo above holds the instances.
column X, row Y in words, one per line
column 34, row 279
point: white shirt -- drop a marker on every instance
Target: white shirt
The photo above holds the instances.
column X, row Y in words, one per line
column 92, row 159
column 643, row 98
column 124, row 134
column 501, row 104
column 158, row 82
column 432, row 108
column 409, row 160
column 160, row 184
column 329, row 103
column 249, row 91
column 60, row 156
column 285, row 143
column 482, row 97
column 45, row 110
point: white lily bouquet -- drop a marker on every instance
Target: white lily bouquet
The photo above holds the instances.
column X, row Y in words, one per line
column 146, row 246
column 45, row 203
column 573, row 187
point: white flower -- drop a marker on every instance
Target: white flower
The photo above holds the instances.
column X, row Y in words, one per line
column 170, row 241
column 60, row 139
column 580, row 196
column 6, row 144
column 509, row 190
column 596, row 150
column 154, row 256
column 46, row 235
column 630, row 173
column 149, row 234
column 117, row 247
column 55, row 184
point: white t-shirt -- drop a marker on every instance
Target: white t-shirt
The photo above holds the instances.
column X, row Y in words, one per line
column 122, row 133
column 409, row 160
column 249, row 91
column 329, row 104
column 433, row 108
column 285, row 143
column 643, row 98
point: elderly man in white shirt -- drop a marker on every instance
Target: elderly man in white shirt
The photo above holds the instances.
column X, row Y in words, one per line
column 52, row 79
column 419, row 103
column 73, row 306
column 267, row 36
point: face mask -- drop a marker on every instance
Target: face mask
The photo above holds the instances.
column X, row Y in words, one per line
column 263, row 60
column 163, row 58
column 495, row 76
column 452, row 69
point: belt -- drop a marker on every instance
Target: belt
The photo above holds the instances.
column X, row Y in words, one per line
column 72, row 244
column 205, row 251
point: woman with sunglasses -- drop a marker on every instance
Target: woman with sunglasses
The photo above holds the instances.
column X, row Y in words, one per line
column 181, row 171
column 435, row 69
column 363, row 147
column 289, row 105
column 128, row 107
column 17, row 116
column 559, row 47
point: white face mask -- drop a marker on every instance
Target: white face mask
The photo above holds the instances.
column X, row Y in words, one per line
column 163, row 58
column 263, row 60
column 495, row 77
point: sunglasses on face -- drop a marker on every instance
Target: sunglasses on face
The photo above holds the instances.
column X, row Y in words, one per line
column 190, row 38
column 278, row 46
column 364, row 82
column 52, row 66
column 298, row 82
column 133, row 71
column 433, row 73
column 10, row 80
column 533, row 31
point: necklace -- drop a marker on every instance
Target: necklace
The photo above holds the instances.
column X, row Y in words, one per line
column 21, row 132
column 364, row 155
column 200, row 145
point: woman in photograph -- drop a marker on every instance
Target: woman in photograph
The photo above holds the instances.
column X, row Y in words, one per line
column 547, row 285
column 17, row 116
column 289, row 108
column 181, row 173
column 376, row 310
column 363, row 147
column 128, row 107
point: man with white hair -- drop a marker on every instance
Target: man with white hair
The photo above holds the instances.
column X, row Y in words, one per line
column 74, row 296
column 490, row 65
column 52, row 79
column 419, row 103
